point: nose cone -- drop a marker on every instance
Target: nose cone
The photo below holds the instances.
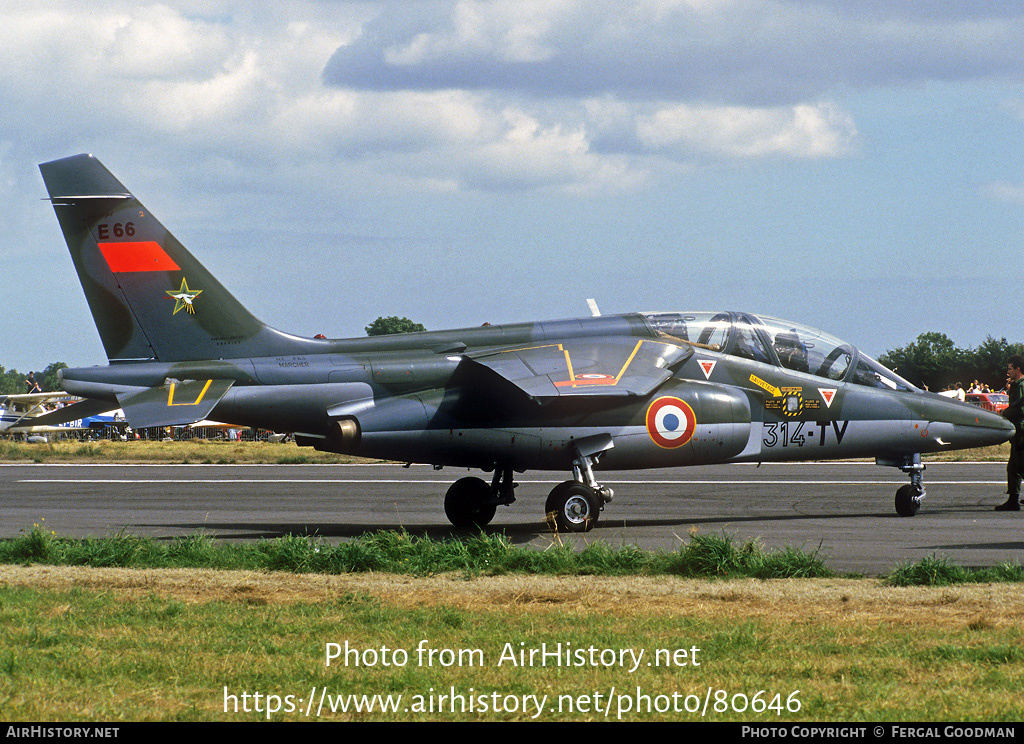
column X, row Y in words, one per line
column 991, row 429
column 956, row 425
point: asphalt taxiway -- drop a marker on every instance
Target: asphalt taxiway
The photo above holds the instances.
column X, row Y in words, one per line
column 843, row 510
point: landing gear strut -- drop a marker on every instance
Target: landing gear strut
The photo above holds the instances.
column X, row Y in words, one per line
column 471, row 502
column 574, row 506
column 909, row 497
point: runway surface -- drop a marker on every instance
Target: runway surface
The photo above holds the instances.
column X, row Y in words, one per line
column 843, row 509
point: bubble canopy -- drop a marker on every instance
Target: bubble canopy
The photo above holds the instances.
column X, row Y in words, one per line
column 781, row 343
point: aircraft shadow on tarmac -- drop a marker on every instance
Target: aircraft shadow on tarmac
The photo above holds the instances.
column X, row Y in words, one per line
column 253, row 531
column 1005, row 546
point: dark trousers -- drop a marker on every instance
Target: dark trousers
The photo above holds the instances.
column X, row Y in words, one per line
column 1015, row 468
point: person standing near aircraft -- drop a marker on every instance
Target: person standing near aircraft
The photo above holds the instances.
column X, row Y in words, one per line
column 1015, row 413
column 31, row 386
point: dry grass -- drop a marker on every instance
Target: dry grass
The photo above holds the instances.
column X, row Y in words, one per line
column 148, row 451
column 978, row 454
column 120, row 644
column 785, row 600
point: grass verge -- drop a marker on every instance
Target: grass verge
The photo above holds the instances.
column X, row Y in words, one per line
column 195, row 451
column 400, row 552
column 938, row 571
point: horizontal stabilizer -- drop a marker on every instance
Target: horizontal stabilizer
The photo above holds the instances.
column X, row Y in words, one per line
column 591, row 367
column 173, row 404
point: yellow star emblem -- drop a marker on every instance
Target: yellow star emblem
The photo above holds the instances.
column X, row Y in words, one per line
column 183, row 298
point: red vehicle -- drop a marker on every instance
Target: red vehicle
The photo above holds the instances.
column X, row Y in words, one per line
column 995, row 402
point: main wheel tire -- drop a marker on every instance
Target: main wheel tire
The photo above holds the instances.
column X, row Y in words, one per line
column 908, row 500
column 573, row 507
column 468, row 503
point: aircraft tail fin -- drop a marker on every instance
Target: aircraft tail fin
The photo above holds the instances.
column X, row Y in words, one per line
column 150, row 298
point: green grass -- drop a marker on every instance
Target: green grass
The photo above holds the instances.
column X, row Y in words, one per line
column 938, row 571
column 102, row 655
column 711, row 555
column 399, row 552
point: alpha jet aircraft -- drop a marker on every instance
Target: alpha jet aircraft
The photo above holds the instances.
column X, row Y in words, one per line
column 640, row 390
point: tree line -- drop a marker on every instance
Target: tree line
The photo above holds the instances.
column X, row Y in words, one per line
column 12, row 381
column 934, row 362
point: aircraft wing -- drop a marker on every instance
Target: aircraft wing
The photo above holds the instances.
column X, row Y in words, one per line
column 30, row 398
column 22, row 411
column 591, row 367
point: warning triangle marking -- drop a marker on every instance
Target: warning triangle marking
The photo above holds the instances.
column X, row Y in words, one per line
column 707, row 365
column 827, row 394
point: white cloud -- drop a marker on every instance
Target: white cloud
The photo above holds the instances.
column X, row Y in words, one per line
column 529, row 153
column 159, row 42
column 242, row 86
column 452, row 138
column 237, row 91
column 467, row 94
column 741, row 52
column 1011, row 192
column 515, row 32
column 802, row 131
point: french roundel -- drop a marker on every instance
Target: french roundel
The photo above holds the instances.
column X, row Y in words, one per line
column 670, row 422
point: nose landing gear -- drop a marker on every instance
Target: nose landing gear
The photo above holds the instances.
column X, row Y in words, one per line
column 909, row 497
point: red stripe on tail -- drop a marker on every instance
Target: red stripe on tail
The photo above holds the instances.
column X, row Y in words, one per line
column 144, row 256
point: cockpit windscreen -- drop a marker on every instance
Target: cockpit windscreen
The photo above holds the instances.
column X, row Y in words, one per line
column 781, row 342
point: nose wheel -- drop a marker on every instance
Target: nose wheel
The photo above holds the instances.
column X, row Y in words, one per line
column 909, row 497
column 908, row 500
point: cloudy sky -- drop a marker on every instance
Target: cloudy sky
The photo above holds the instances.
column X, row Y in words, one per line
column 853, row 165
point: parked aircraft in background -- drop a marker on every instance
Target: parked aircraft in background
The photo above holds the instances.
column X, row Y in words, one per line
column 639, row 390
column 20, row 414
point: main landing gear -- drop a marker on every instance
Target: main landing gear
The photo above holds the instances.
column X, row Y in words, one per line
column 471, row 502
column 909, row 497
column 572, row 506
